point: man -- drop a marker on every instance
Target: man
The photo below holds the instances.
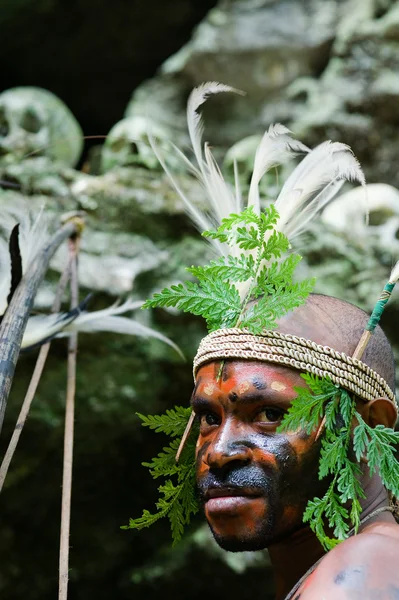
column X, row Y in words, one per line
column 279, row 465
column 255, row 482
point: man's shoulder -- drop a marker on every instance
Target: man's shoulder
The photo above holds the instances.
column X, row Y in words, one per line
column 364, row 566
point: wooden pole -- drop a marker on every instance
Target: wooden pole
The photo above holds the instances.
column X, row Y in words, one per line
column 68, row 436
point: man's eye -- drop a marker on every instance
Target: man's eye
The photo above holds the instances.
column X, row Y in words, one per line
column 209, row 419
column 269, row 415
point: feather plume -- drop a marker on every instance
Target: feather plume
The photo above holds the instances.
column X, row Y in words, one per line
column 5, row 275
column 31, row 236
column 314, row 183
column 195, row 123
column 221, row 197
column 107, row 320
column 275, row 148
column 309, row 188
column 33, row 229
column 199, row 217
column 43, row 328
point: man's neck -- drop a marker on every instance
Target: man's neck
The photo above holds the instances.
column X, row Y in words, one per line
column 293, row 556
column 376, row 498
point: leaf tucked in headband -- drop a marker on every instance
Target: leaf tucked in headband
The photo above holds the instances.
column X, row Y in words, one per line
column 227, row 285
column 340, row 507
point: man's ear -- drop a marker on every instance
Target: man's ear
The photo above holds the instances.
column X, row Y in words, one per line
column 380, row 411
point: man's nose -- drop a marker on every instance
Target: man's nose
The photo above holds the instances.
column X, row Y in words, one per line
column 229, row 447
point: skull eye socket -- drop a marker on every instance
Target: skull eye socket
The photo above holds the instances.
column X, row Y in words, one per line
column 4, row 127
column 378, row 217
column 31, row 122
column 118, row 144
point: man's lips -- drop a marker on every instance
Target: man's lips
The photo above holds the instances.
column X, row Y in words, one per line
column 228, row 491
column 228, row 501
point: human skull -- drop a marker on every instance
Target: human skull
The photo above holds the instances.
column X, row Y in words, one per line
column 127, row 144
column 35, row 122
column 348, row 214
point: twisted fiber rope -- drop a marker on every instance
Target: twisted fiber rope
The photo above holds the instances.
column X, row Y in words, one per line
column 315, row 354
column 300, row 353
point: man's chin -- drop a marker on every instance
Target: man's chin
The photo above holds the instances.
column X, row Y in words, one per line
column 241, row 544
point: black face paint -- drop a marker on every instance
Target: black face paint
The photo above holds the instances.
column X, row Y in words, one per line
column 254, row 483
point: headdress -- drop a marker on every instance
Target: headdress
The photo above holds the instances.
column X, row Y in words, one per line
column 242, row 293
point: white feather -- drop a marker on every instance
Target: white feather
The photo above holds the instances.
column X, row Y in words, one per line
column 199, row 218
column 222, row 197
column 121, row 325
column 106, row 320
column 394, row 277
column 312, row 185
column 41, row 328
column 275, row 148
column 32, row 236
column 237, row 187
column 302, row 195
column 195, row 123
column 82, row 323
column 5, row 275
column 33, row 229
column 44, row 327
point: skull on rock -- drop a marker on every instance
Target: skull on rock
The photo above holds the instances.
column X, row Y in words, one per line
column 127, row 144
column 34, row 122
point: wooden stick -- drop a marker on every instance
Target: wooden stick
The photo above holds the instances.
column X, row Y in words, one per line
column 358, row 353
column 68, row 436
column 362, row 345
column 40, row 362
column 185, row 436
column 14, row 321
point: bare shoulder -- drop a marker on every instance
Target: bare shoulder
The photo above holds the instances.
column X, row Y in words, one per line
column 364, row 567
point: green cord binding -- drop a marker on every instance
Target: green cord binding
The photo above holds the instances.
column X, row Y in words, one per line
column 379, row 307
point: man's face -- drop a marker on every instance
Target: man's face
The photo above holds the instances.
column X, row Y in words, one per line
column 254, row 482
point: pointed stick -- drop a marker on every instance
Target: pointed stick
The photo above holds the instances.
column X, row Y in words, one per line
column 69, row 433
column 185, row 435
column 34, row 382
column 377, row 313
column 372, row 323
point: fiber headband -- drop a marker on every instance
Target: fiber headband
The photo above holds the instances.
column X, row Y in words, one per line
column 304, row 355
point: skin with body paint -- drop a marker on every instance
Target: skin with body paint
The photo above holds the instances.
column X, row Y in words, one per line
column 254, row 482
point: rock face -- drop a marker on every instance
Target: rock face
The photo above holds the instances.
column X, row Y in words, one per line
column 327, row 69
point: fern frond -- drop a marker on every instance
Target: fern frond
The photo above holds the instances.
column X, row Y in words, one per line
column 177, row 500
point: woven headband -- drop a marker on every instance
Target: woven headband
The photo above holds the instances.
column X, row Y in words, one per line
column 300, row 353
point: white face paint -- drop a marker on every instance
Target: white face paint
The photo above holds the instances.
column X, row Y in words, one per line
column 278, row 386
column 208, row 389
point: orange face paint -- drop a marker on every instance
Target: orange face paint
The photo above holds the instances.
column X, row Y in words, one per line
column 254, row 482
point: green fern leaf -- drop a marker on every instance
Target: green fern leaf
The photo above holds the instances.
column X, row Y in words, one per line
column 177, row 500
column 228, row 268
column 172, row 423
